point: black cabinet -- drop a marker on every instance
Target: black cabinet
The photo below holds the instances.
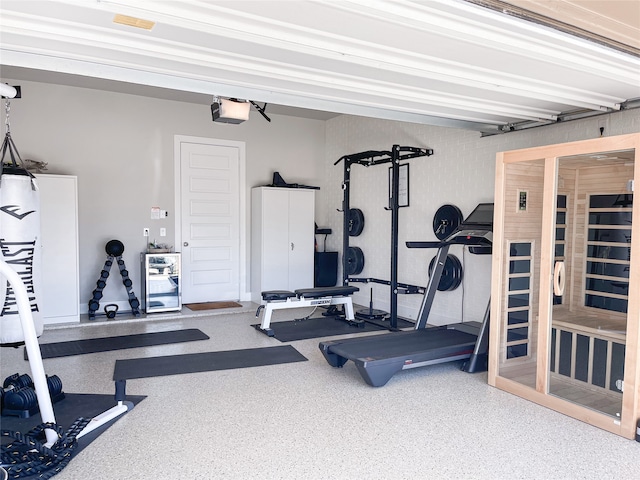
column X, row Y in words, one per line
column 325, row 269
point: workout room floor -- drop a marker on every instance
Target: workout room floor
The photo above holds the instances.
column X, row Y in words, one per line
column 307, row 420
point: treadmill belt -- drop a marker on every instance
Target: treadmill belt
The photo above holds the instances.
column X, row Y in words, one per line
column 431, row 342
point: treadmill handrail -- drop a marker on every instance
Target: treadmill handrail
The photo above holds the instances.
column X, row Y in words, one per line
column 425, row 244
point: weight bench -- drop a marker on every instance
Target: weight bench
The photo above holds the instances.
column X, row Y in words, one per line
column 305, row 297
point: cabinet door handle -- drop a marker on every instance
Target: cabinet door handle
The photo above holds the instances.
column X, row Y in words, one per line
column 292, row 246
column 558, row 279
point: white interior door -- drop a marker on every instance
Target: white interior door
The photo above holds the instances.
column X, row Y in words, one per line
column 210, row 221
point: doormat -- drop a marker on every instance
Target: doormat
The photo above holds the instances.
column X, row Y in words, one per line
column 316, row 327
column 205, row 362
column 211, row 305
column 108, row 344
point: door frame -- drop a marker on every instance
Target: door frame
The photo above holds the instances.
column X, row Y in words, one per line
column 178, row 140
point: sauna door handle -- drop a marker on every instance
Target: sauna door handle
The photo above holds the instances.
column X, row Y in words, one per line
column 558, row 279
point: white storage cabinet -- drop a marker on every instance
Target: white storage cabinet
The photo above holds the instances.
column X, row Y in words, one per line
column 60, row 296
column 282, row 239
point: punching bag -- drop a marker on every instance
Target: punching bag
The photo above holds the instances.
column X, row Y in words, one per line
column 19, row 243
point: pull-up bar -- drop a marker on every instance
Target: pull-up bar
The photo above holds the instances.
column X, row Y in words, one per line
column 369, row 158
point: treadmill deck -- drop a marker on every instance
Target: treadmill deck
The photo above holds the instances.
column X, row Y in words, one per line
column 378, row 357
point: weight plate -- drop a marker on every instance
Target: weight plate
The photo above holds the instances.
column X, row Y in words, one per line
column 451, row 273
column 355, row 260
column 356, row 222
column 446, row 220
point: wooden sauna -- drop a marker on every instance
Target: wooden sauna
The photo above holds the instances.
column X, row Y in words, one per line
column 565, row 302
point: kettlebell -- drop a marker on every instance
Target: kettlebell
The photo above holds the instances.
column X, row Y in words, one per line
column 111, row 310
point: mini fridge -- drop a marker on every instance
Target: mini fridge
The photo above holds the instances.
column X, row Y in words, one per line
column 161, row 282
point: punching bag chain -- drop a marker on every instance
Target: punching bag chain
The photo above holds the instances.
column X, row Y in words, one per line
column 8, row 143
column 7, row 111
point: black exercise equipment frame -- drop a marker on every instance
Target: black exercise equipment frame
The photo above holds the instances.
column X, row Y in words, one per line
column 379, row 357
column 370, row 158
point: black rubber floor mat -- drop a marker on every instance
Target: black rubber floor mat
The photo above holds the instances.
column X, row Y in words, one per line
column 317, row 327
column 205, row 362
column 107, row 344
column 66, row 411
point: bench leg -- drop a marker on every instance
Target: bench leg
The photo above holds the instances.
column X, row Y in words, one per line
column 348, row 309
column 269, row 307
column 348, row 306
column 266, row 319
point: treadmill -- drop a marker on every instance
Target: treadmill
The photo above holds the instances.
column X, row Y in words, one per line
column 379, row 357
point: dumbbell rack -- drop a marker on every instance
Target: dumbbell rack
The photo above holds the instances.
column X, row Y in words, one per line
column 94, row 303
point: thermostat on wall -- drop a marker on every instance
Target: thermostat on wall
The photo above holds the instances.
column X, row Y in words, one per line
column 522, row 201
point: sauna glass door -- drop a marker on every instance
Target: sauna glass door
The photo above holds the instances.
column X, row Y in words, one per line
column 591, row 263
column 523, row 201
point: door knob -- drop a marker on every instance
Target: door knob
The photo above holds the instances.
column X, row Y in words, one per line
column 186, row 244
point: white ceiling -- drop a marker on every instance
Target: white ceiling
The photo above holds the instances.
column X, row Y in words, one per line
column 444, row 62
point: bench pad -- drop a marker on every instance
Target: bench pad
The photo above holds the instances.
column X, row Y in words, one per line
column 272, row 295
column 326, row 291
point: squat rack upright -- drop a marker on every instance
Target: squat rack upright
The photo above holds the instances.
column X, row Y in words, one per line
column 370, row 158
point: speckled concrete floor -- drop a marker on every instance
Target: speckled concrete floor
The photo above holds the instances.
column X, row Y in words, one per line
column 309, row 421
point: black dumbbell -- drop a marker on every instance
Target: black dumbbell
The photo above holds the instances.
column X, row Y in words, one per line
column 101, row 283
column 15, row 392
column 55, row 385
column 93, row 305
column 17, row 381
column 20, row 399
column 134, row 303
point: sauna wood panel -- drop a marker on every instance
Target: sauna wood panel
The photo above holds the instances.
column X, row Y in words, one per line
column 572, row 170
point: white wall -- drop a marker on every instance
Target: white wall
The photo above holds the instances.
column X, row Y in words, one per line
column 461, row 172
column 121, row 147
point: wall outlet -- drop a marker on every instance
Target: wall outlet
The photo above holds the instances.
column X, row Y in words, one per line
column 163, row 232
column 145, row 232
